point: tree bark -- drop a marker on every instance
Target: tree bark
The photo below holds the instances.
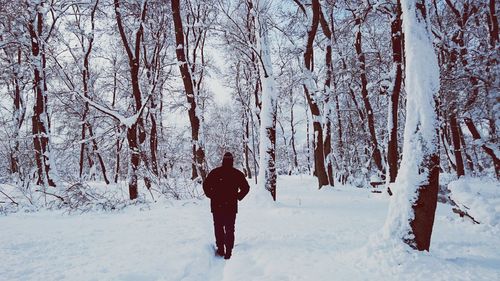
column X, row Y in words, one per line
column 308, row 141
column 412, row 211
column 246, row 137
column 468, row 158
column 397, row 60
column 135, row 159
column 95, row 149
column 267, row 147
column 117, row 164
column 187, row 79
column 493, row 23
column 19, row 108
column 444, row 141
column 86, row 109
column 425, row 205
column 319, row 155
column 457, row 151
column 40, row 120
column 328, row 110
column 135, row 133
column 377, row 157
column 153, row 143
column 292, row 138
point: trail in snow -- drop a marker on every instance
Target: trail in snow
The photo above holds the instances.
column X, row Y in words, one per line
column 308, row 235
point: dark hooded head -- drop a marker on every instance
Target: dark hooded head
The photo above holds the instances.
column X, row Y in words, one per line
column 227, row 161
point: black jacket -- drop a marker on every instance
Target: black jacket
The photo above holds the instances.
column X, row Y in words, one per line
column 224, row 186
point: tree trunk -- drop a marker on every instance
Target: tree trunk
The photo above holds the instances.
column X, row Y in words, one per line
column 340, row 144
column 328, row 109
column 246, row 137
column 135, row 132
column 153, row 142
column 187, row 79
column 308, row 141
column 425, row 205
column 267, row 148
column 446, row 147
column 135, row 159
column 40, row 120
column 292, row 138
column 82, row 145
column 118, row 130
column 18, row 113
column 327, row 31
column 468, row 158
column 397, row 59
column 85, row 82
column 377, row 157
column 493, row 24
column 319, row 155
column 95, row 149
column 455, row 137
column 117, row 164
column 412, row 212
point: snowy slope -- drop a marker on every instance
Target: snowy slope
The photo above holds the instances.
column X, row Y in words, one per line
column 332, row 234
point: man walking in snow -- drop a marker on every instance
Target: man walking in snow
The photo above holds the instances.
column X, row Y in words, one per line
column 224, row 186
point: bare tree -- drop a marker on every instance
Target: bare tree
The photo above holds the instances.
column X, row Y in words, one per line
column 311, row 96
column 86, row 41
column 186, row 70
column 14, row 57
column 40, row 33
column 359, row 16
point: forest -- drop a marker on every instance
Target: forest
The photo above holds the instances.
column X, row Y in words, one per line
column 110, row 103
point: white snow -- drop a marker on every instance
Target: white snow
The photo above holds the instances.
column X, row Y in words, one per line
column 268, row 98
column 308, row 234
column 479, row 197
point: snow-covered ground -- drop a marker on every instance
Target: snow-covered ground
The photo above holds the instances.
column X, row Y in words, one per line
column 330, row 234
column 479, row 197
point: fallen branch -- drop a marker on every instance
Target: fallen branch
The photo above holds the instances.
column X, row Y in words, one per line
column 48, row 193
column 456, row 209
column 10, row 198
column 464, row 214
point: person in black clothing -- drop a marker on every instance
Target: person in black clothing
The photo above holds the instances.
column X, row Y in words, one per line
column 224, row 186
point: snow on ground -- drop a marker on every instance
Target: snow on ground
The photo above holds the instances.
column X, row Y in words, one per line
column 331, row 234
column 479, row 197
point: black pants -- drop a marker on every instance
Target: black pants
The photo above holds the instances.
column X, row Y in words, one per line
column 224, row 229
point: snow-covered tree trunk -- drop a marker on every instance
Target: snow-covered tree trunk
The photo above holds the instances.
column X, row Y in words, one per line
column 246, row 147
column 19, row 109
column 40, row 119
column 135, row 132
column 312, row 100
column 267, row 151
column 412, row 209
column 358, row 44
column 86, row 83
column 293, row 132
column 392, row 119
column 328, row 112
column 187, row 79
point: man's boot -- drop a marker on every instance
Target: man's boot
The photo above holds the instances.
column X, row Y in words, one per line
column 227, row 255
column 220, row 251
